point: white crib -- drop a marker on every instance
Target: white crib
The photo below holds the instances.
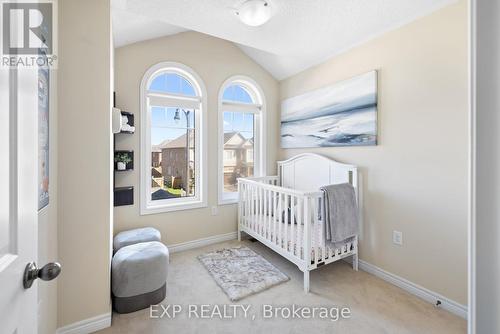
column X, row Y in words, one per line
column 285, row 212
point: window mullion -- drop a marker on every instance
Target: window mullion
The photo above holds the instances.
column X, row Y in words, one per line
column 167, row 101
column 241, row 107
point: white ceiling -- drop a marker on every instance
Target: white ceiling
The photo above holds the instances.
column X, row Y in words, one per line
column 301, row 34
column 129, row 27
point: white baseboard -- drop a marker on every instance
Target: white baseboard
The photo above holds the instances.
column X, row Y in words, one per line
column 202, row 242
column 415, row 289
column 87, row 326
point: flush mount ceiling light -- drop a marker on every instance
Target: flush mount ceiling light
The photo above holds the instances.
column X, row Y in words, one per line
column 254, row 12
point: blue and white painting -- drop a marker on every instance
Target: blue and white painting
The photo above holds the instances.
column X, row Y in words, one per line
column 343, row 114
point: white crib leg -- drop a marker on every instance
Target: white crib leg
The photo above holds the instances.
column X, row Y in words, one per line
column 306, row 281
column 355, row 261
column 239, row 234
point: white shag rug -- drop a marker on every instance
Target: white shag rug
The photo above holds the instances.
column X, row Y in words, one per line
column 241, row 272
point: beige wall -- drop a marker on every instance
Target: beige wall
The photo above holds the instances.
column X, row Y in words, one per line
column 47, row 227
column 84, row 159
column 415, row 180
column 214, row 60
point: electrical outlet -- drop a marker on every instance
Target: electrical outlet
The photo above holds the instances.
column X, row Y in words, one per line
column 215, row 211
column 397, row 238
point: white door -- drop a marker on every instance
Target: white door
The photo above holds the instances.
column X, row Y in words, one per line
column 18, row 199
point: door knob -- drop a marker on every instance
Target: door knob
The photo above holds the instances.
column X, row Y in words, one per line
column 47, row 273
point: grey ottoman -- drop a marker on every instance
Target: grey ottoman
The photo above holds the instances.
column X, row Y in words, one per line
column 139, row 275
column 135, row 236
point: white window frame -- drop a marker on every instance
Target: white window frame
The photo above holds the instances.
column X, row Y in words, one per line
column 198, row 102
column 259, row 110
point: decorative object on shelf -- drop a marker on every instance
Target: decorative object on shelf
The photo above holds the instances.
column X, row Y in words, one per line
column 122, row 165
column 122, row 121
column 127, row 125
column 124, row 160
column 342, row 114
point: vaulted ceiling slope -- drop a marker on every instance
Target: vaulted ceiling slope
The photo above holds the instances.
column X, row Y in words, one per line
column 301, row 33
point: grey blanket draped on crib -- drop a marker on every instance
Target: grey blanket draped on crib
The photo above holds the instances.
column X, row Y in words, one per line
column 341, row 214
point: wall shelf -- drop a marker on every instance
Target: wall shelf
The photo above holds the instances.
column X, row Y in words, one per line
column 123, row 196
column 129, row 165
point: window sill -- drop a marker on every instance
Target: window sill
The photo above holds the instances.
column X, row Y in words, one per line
column 228, row 199
column 151, row 210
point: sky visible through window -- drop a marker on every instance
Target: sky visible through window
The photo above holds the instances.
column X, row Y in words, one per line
column 236, row 93
column 172, row 83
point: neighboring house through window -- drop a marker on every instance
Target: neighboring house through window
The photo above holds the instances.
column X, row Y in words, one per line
column 173, row 143
column 241, row 135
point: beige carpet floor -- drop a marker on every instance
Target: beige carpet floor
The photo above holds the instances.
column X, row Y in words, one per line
column 376, row 306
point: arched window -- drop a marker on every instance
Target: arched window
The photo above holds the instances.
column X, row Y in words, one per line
column 241, row 134
column 173, row 107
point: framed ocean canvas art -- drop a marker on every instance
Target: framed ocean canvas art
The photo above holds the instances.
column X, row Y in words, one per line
column 342, row 114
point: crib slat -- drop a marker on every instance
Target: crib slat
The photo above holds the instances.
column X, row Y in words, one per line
column 315, row 229
column 280, row 219
column 264, row 219
column 249, row 213
column 300, row 227
column 244, row 198
column 259, row 210
column 259, row 194
column 292, row 224
column 285, row 225
column 242, row 203
column 254, row 209
column 251, row 208
column 247, row 206
column 273, row 239
column 266, row 213
column 269, row 214
column 307, row 234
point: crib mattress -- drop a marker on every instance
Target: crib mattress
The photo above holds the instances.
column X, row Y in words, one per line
column 290, row 237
